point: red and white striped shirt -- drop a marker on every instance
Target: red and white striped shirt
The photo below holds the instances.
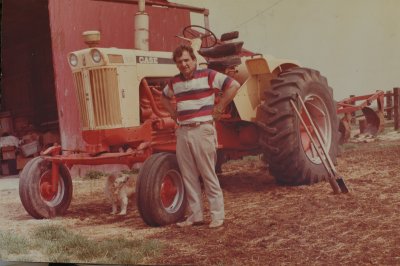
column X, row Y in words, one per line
column 195, row 97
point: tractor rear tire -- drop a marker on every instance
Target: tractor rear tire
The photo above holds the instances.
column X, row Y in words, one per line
column 36, row 201
column 287, row 148
column 160, row 190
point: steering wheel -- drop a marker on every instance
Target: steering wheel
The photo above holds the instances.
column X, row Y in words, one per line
column 208, row 38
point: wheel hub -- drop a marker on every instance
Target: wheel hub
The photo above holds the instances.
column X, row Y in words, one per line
column 320, row 116
column 168, row 191
column 51, row 197
column 46, row 191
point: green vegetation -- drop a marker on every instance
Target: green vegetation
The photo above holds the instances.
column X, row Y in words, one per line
column 130, row 172
column 349, row 146
column 93, row 174
column 13, row 244
column 62, row 245
column 251, row 158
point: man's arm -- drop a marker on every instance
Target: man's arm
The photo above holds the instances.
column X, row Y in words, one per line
column 168, row 105
column 225, row 99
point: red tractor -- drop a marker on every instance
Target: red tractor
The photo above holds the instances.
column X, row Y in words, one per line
column 124, row 122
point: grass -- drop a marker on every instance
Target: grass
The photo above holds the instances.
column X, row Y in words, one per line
column 131, row 172
column 62, row 245
column 349, row 146
column 94, row 174
column 251, row 158
column 13, row 244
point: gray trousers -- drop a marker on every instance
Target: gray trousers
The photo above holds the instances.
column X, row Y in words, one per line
column 197, row 155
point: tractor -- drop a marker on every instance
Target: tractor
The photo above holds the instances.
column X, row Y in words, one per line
column 124, row 122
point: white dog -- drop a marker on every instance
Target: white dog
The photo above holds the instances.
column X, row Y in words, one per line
column 119, row 187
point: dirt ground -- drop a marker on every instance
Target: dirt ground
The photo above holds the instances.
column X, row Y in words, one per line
column 266, row 224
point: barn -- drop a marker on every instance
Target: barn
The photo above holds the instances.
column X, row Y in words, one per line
column 37, row 91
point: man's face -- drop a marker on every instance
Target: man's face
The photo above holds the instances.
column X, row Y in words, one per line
column 186, row 64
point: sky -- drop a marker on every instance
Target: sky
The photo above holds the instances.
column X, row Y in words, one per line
column 354, row 43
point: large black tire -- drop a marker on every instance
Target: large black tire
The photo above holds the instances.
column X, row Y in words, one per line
column 140, row 190
column 36, row 202
column 157, row 201
column 287, row 148
column 23, row 191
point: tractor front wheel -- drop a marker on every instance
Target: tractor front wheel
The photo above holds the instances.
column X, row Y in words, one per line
column 35, row 189
column 160, row 192
column 291, row 156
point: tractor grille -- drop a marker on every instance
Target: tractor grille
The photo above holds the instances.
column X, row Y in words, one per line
column 82, row 98
column 105, row 98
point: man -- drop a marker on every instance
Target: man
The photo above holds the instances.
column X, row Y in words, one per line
column 196, row 136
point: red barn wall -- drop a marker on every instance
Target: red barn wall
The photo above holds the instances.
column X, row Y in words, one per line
column 69, row 18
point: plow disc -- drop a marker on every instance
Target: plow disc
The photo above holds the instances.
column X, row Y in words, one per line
column 374, row 121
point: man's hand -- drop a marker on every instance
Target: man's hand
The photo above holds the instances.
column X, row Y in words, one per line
column 217, row 112
column 225, row 99
column 171, row 110
column 174, row 116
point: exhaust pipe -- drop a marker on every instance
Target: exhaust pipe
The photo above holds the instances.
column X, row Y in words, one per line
column 142, row 27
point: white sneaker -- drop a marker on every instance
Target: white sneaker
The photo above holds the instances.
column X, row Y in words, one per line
column 216, row 223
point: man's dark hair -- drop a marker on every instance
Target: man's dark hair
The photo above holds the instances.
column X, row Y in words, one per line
column 180, row 49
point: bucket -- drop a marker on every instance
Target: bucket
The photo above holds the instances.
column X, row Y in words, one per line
column 6, row 123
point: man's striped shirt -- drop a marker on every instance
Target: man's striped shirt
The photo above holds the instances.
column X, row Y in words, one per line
column 195, row 97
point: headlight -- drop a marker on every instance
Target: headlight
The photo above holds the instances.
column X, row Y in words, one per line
column 96, row 56
column 73, row 60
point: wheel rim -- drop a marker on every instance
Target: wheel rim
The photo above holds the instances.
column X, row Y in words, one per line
column 51, row 198
column 319, row 113
column 172, row 191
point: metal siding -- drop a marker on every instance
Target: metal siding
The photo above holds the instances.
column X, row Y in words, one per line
column 164, row 25
column 69, row 18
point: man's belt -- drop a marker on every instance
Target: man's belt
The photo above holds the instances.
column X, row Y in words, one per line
column 196, row 124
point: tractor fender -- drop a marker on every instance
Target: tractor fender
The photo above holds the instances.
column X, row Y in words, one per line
column 254, row 75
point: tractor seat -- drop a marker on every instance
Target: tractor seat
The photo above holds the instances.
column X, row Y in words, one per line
column 222, row 50
column 225, row 62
